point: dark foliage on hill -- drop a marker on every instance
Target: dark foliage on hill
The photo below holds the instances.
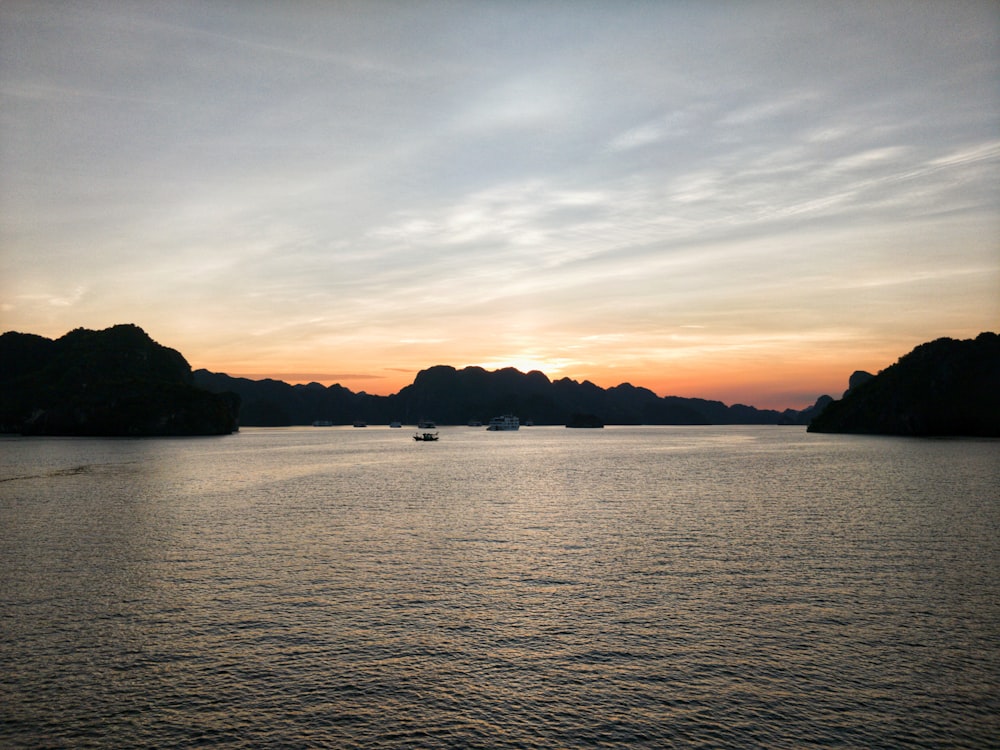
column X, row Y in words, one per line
column 115, row 382
column 451, row 396
column 944, row 387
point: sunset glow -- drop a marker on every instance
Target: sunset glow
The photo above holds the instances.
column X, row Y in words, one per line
column 744, row 202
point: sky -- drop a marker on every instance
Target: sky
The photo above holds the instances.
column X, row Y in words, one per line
column 743, row 201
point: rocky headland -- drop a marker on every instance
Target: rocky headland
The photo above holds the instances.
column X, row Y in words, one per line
column 946, row 387
column 115, row 382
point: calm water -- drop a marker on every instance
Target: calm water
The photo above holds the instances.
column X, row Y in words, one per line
column 550, row 588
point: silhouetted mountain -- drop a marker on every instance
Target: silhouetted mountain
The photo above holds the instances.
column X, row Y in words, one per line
column 450, row 396
column 806, row 416
column 945, row 387
column 112, row 382
column 858, row 378
column 274, row 403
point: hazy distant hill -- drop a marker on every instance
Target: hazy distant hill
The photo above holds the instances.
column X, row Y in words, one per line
column 945, row 387
column 274, row 403
column 450, row 396
column 112, row 382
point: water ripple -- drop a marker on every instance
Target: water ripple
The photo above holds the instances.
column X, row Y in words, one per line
column 643, row 588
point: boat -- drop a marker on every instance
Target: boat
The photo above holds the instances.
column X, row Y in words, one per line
column 395, row 423
column 475, row 423
column 360, row 423
column 505, row 423
column 426, row 424
column 426, row 437
column 322, row 423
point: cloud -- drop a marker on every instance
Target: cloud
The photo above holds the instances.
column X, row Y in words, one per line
column 775, row 108
column 368, row 183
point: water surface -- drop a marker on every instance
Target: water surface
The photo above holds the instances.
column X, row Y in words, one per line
column 549, row 588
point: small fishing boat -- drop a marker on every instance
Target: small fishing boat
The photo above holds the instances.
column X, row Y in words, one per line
column 426, row 437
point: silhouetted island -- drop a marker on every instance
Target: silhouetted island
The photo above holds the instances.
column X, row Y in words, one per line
column 945, row 387
column 115, row 382
column 585, row 421
column 120, row 382
column 474, row 395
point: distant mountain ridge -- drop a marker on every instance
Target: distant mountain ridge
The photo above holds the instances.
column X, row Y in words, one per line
column 944, row 387
column 451, row 396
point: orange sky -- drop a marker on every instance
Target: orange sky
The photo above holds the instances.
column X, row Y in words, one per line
column 777, row 376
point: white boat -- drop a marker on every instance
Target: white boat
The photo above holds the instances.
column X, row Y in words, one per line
column 505, row 423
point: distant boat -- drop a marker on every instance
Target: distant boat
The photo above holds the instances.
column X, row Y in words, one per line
column 505, row 423
column 322, row 423
column 426, row 424
column 395, row 423
column 585, row 420
column 359, row 423
column 426, row 437
column 475, row 423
